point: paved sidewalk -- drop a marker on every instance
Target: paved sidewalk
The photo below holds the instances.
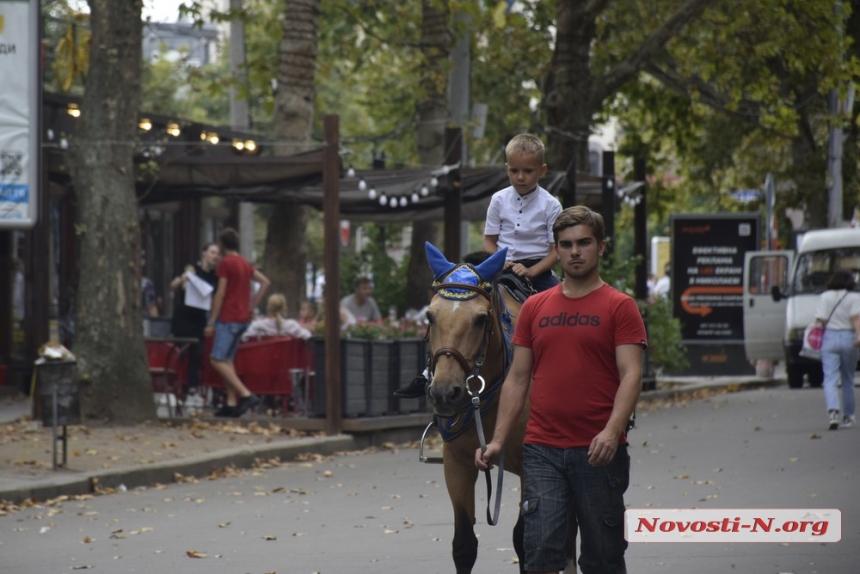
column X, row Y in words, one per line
column 125, row 457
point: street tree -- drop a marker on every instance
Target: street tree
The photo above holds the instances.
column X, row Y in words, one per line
column 433, row 115
column 744, row 92
column 109, row 337
column 580, row 83
column 285, row 255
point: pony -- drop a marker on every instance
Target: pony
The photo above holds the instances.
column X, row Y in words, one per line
column 471, row 319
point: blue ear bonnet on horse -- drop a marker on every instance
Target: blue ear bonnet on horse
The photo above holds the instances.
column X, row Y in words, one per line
column 446, row 272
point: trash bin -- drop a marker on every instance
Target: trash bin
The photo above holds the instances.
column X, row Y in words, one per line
column 62, row 376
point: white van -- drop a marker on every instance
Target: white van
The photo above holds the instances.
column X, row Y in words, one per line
column 781, row 291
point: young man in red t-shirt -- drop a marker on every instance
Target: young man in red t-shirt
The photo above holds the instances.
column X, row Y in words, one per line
column 578, row 351
column 232, row 310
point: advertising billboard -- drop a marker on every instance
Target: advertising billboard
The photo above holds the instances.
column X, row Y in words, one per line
column 707, row 274
column 19, row 113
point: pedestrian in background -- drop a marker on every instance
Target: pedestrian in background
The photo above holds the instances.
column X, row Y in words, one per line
column 190, row 321
column 231, row 313
column 664, row 284
column 275, row 322
column 361, row 304
column 839, row 312
column 308, row 315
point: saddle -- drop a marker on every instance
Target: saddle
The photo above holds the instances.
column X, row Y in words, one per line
column 519, row 287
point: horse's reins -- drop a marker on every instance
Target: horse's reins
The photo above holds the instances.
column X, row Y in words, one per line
column 492, row 518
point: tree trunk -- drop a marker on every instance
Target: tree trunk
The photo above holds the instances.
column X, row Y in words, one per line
column 432, row 115
column 808, row 172
column 568, row 98
column 109, row 337
column 285, row 256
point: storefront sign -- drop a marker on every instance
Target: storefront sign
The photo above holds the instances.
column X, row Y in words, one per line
column 19, row 118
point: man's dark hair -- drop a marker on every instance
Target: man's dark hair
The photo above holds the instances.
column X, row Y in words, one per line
column 360, row 281
column 579, row 215
column 841, row 280
column 229, row 238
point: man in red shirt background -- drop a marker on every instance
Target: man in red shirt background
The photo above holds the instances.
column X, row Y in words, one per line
column 232, row 311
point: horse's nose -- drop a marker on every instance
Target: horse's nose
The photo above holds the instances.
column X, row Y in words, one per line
column 453, row 395
column 449, row 395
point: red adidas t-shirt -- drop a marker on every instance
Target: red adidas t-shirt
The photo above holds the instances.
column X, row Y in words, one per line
column 237, row 298
column 573, row 341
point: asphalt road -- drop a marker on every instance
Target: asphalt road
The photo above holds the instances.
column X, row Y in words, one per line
column 386, row 512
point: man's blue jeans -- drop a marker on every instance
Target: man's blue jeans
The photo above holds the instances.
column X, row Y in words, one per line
column 557, row 480
column 226, row 343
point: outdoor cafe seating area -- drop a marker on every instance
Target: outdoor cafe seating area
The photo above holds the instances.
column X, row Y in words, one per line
column 274, row 368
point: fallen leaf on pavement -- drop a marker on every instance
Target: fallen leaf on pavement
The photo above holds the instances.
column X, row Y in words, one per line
column 195, row 554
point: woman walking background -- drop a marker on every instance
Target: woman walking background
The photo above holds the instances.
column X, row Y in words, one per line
column 839, row 311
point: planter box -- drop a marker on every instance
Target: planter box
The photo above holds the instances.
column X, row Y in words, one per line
column 371, row 371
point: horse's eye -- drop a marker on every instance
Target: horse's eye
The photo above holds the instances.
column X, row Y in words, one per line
column 431, row 319
column 481, row 320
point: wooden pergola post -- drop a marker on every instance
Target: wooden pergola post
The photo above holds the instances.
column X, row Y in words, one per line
column 331, row 303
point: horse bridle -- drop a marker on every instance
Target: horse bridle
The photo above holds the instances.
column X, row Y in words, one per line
column 492, row 518
column 457, row 355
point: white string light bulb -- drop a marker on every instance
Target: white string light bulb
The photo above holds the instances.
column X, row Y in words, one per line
column 424, row 191
column 434, row 181
column 372, row 193
column 362, row 185
column 383, row 200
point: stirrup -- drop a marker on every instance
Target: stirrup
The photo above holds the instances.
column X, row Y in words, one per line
column 428, row 459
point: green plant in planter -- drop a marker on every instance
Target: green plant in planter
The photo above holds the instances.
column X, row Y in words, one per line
column 385, row 330
column 666, row 353
column 664, row 337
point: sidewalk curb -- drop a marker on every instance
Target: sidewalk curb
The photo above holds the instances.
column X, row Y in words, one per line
column 693, row 388
column 164, row 472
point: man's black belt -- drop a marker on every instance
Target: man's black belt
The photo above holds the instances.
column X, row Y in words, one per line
column 529, row 262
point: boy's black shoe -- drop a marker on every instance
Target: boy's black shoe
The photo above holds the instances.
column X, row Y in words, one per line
column 246, row 404
column 414, row 389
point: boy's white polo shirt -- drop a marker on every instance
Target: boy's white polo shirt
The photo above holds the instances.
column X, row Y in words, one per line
column 523, row 223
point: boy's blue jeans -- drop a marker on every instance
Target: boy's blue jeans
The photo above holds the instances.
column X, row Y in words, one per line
column 557, row 480
column 544, row 281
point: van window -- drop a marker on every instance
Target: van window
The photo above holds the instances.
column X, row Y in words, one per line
column 815, row 268
column 766, row 272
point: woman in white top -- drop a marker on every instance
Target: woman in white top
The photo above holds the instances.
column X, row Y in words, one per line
column 839, row 311
column 275, row 323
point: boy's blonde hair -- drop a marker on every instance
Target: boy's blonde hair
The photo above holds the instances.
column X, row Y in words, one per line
column 525, row 144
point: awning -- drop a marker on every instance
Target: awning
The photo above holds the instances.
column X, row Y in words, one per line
column 298, row 179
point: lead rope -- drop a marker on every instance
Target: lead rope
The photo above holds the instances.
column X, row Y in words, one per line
column 492, row 518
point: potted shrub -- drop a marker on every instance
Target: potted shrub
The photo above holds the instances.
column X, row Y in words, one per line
column 376, row 358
